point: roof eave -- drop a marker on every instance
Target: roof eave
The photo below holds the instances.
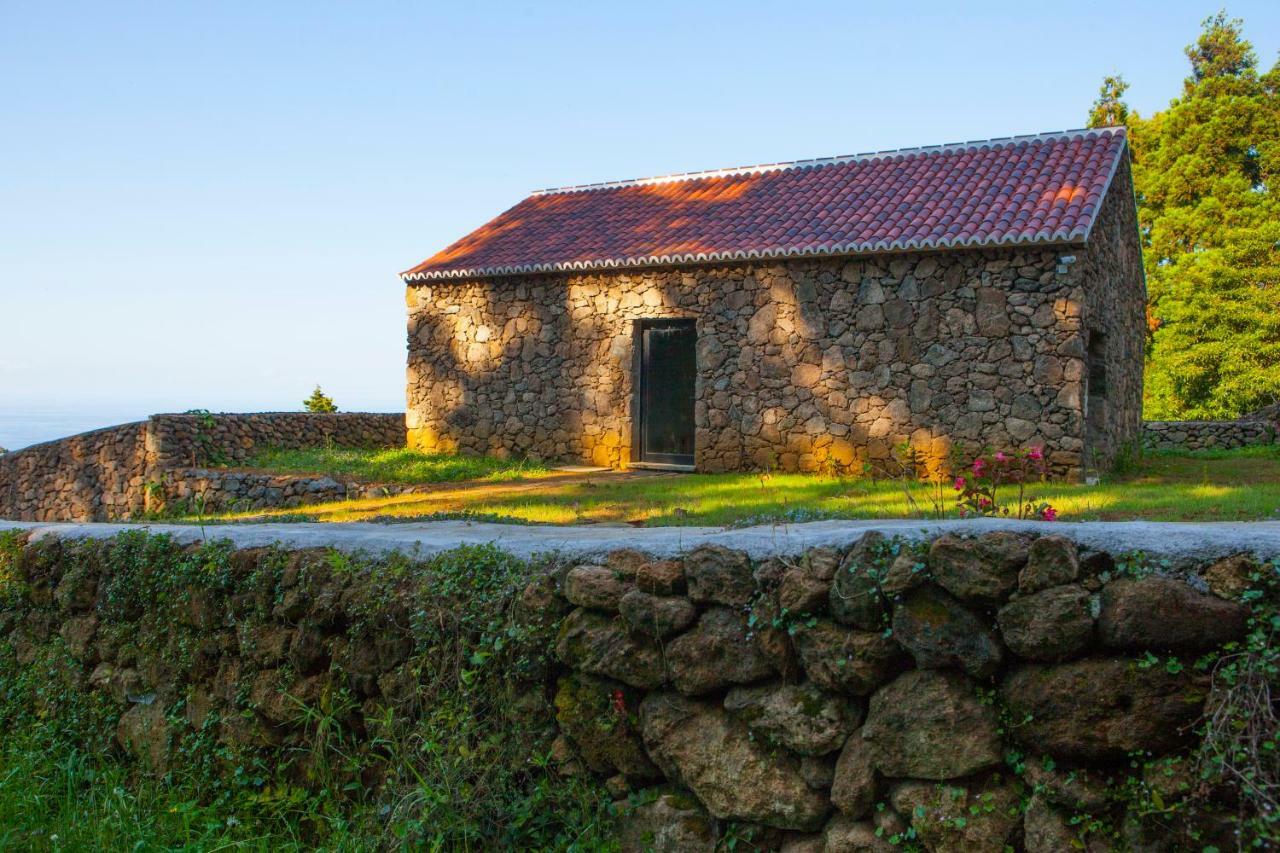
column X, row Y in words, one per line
column 1073, row 239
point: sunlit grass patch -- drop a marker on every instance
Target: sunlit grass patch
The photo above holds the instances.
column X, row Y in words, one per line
column 1223, row 486
column 393, row 465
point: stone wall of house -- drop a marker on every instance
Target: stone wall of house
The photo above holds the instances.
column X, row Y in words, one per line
column 802, row 365
column 124, row 471
column 1199, row 435
column 1114, row 328
column 969, row 693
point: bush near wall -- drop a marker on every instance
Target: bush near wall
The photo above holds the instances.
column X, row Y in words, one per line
column 969, row 693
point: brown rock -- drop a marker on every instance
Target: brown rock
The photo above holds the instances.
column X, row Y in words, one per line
column 718, row 575
column 307, row 651
column 981, row 571
column 595, row 713
column 1232, row 577
column 982, row 815
column 803, row 592
column 931, row 725
column 1053, row 625
column 700, row 746
column 673, row 823
column 843, row 835
column 771, row 638
column 600, row 645
column 1165, row 613
column 597, row 587
column 715, row 653
column 818, row 771
column 940, row 632
column 907, row 571
column 120, row 683
column 539, row 604
column 656, row 616
column 800, row 717
column 661, row 577
column 853, row 787
column 843, row 660
column 143, row 732
column 1072, row 788
column 1051, row 561
column 1099, row 710
column 822, row 563
column 856, row 598
column 626, row 562
column 768, row 573
column 79, row 633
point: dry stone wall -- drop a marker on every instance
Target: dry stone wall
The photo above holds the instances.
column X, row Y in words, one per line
column 190, row 440
column 1201, row 435
column 124, row 471
column 800, row 364
column 972, row 694
column 219, row 490
column 1003, row 692
column 91, row 476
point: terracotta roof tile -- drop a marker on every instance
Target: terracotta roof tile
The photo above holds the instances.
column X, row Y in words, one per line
column 1037, row 189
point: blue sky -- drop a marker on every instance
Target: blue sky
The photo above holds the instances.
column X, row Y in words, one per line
column 205, row 205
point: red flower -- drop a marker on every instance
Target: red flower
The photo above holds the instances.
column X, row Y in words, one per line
column 978, row 465
column 959, row 484
column 619, row 702
column 1049, row 514
column 1035, row 453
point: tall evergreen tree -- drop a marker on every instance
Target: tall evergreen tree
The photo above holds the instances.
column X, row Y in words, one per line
column 1207, row 173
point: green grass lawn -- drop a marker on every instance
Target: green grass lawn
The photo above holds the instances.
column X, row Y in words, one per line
column 1228, row 485
column 392, row 465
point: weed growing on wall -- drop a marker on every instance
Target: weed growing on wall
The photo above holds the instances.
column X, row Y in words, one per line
column 451, row 749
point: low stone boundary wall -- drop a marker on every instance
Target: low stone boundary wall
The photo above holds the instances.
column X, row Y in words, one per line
column 851, row 697
column 1003, row 691
column 87, row 477
column 1198, row 435
column 124, row 471
column 191, row 440
column 216, row 490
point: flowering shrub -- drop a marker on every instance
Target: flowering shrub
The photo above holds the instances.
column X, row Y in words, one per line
column 979, row 486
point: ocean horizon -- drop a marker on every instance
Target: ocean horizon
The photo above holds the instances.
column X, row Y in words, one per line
column 23, row 426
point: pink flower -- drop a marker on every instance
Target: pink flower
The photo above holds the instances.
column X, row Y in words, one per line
column 959, row 484
column 983, row 503
column 978, row 465
column 1049, row 514
column 1035, row 453
column 1000, row 457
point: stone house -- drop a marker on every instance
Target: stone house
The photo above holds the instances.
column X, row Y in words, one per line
column 801, row 315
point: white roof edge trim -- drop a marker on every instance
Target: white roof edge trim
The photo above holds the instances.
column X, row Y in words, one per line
column 1106, row 188
column 1057, row 238
column 830, row 161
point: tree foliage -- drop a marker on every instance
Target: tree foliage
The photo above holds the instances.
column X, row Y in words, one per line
column 319, row 402
column 1205, row 174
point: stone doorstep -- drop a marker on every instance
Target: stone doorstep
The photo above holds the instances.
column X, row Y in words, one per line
column 1189, row 541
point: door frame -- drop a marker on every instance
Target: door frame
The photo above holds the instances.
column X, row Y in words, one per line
column 638, row 328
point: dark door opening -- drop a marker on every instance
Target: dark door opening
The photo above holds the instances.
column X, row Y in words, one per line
column 667, row 368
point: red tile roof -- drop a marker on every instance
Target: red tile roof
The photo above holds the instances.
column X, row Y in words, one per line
column 1030, row 189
